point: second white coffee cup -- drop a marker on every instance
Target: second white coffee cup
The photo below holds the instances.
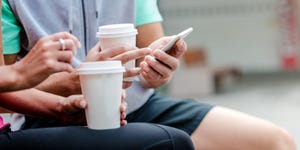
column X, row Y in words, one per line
column 101, row 84
column 116, row 35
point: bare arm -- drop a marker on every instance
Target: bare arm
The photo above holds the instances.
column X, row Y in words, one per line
column 10, row 59
column 69, row 110
column 31, row 102
column 7, row 60
column 9, row 79
column 149, row 33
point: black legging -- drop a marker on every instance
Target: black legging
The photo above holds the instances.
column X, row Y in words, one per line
column 134, row 136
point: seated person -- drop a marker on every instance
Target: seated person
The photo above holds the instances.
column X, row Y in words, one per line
column 206, row 124
column 48, row 57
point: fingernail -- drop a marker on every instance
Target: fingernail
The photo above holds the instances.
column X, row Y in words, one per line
column 137, row 69
column 149, row 57
column 126, row 105
column 83, row 104
column 145, row 67
column 148, row 49
column 157, row 52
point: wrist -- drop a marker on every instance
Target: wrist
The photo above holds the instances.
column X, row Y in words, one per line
column 16, row 77
column 153, row 83
column 75, row 88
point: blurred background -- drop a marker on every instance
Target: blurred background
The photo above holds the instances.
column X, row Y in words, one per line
column 243, row 54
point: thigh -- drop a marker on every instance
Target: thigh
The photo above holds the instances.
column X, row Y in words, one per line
column 183, row 114
column 32, row 122
column 227, row 129
column 131, row 136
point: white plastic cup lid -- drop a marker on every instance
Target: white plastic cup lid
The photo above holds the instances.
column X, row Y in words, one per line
column 100, row 67
column 116, row 30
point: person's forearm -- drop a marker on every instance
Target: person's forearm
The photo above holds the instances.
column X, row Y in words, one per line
column 64, row 84
column 10, row 58
column 32, row 102
column 10, row 81
column 147, row 34
column 7, row 80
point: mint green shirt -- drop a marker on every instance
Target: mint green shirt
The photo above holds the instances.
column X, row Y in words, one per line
column 147, row 12
column 10, row 30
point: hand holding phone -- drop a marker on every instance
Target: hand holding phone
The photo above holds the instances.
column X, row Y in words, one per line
column 181, row 35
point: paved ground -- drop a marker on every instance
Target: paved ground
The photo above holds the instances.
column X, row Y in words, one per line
column 272, row 97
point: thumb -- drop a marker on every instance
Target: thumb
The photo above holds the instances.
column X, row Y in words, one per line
column 83, row 104
column 80, row 102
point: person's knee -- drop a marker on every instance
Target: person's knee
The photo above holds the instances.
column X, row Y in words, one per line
column 181, row 140
column 282, row 140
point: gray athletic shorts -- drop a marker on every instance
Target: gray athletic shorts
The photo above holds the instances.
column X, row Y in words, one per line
column 184, row 114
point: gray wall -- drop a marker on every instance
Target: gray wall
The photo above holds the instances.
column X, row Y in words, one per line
column 244, row 33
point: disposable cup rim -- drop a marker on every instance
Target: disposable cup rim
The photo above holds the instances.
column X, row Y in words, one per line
column 110, row 35
column 100, row 67
column 100, row 71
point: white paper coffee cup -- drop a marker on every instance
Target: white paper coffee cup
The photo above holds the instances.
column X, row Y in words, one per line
column 101, row 84
column 118, row 34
